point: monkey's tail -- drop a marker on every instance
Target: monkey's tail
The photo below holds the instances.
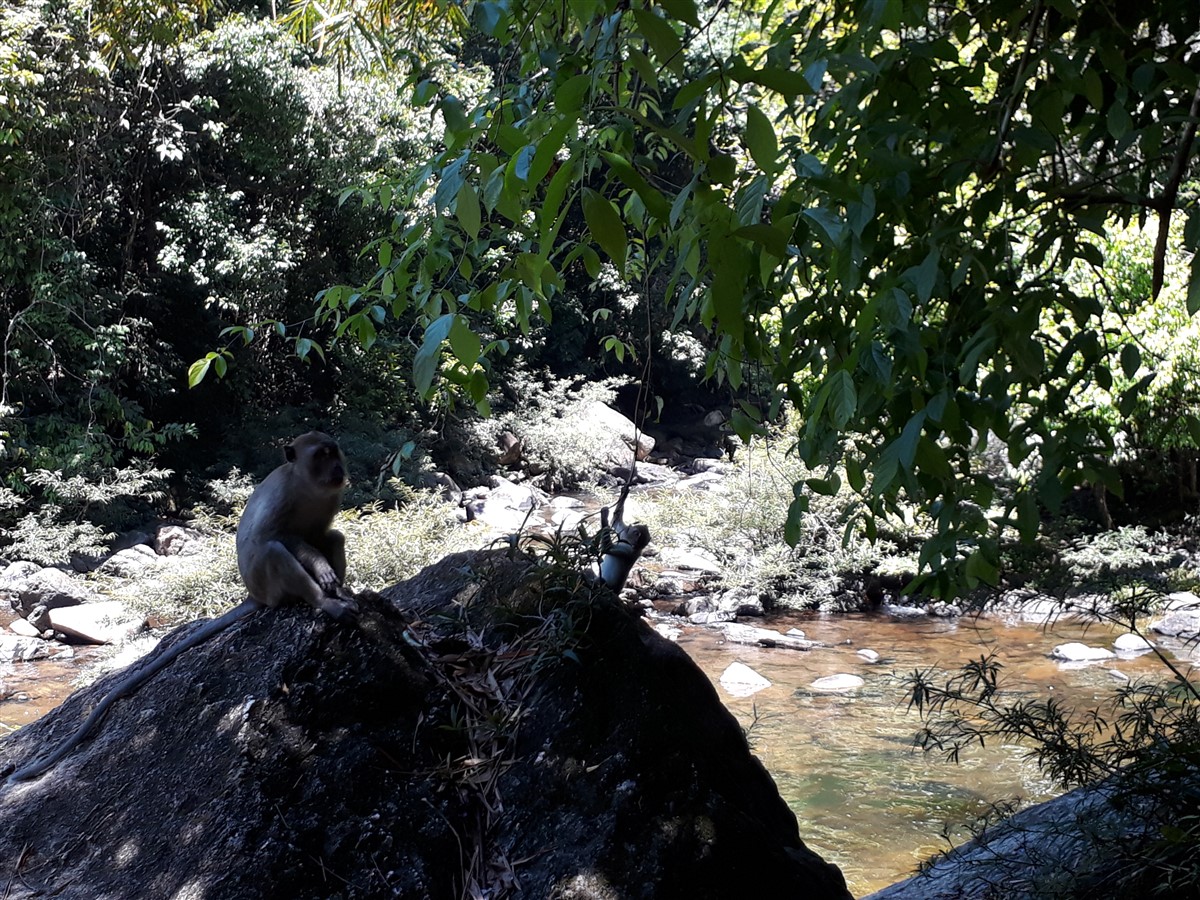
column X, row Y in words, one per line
column 130, row 684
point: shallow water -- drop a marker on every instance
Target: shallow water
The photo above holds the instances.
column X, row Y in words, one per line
column 865, row 797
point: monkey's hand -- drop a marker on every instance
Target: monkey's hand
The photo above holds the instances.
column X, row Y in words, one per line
column 340, row 605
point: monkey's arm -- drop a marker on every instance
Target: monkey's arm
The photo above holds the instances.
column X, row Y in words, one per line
column 131, row 684
column 326, row 568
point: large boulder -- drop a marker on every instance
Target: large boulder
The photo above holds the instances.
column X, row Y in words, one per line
column 481, row 732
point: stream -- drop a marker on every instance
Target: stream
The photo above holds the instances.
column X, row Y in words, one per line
column 865, row 797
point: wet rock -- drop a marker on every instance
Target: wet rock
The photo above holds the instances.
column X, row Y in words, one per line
column 1074, row 651
column 741, row 601
column 840, row 682
column 1180, row 623
column 868, row 655
column 18, row 648
column 764, row 637
column 1131, row 643
column 670, row 632
column 105, row 622
column 903, row 612
column 794, row 632
column 944, row 610
column 741, row 681
column 716, row 617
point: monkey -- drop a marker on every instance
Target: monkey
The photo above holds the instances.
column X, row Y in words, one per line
column 286, row 552
column 623, row 544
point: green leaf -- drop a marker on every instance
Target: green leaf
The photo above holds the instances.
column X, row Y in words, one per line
column 683, row 10
column 781, row 79
column 843, row 399
column 761, row 140
column 425, row 363
column 606, row 226
column 1193, row 293
column 464, row 342
column 980, row 569
column 661, row 37
column 466, row 210
column 568, row 96
column 656, row 204
column 198, row 369
column 1131, row 360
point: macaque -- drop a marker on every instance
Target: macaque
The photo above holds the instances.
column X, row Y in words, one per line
column 286, row 551
column 623, row 547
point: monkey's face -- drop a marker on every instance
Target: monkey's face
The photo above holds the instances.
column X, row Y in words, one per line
column 320, row 459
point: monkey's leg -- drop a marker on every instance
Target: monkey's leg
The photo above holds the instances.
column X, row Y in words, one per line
column 129, row 685
column 287, row 575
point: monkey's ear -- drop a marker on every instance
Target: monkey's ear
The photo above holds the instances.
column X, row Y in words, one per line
column 289, row 452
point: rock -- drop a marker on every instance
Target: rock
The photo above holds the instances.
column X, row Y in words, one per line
column 1080, row 844
column 903, row 612
column 714, row 419
column 132, row 539
column 741, row 601
column 741, row 681
column 511, row 449
column 23, row 627
column 177, row 540
column 703, row 464
column 765, row 637
column 106, row 622
column 695, row 559
column 648, row 473
column 49, row 588
column 1181, row 623
column 14, row 574
column 358, row 774
column 515, row 496
column 615, row 435
column 562, row 502
column 442, row 484
column 670, row 632
column 868, row 655
column 1181, row 600
column 944, row 610
column 716, row 617
column 133, row 562
column 1074, row 651
column 693, row 605
column 794, row 632
column 841, row 682
column 702, row 481
column 1131, row 643
column 18, row 648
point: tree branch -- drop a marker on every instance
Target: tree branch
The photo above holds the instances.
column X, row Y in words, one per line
column 1178, row 167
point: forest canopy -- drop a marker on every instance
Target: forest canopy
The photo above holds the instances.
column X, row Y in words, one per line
column 952, row 246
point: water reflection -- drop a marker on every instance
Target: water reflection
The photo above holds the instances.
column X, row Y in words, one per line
column 845, row 762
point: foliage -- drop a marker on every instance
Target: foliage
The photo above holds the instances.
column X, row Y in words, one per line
column 872, row 205
column 741, row 523
column 551, row 418
column 47, row 538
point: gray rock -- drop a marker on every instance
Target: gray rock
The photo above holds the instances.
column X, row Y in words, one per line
column 765, row 637
column 704, row 464
column 903, row 612
column 515, row 496
column 49, row 588
column 741, row 601
column 1074, row 651
column 740, row 680
column 869, row 655
column 18, row 648
column 617, row 436
column 1182, row 600
column 694, row 559
column 177, row 540
column 716, row 617
column 133, row 562
column 945, row 610
column 96, row 623
column 14, row 574
column 24, row 628
column 840, row 682
column 702, row 481
column 1132, row 643
column 1181, row 623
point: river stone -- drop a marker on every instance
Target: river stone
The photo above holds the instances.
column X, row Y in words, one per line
column 1131, row 643
column 702, row 481
column 741, row 681
column 840, row 682
column 1074, row 651
column 132, row 562
column 1182, row 600
column 96, row 623
column 15, row 573
column 15, row 647
column 794, row 632
column 869, row 655
column 1179, row 623
column 903, row 612
column 49, row 588
column 738, row 633
column 24, row 628
column 696, row 560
